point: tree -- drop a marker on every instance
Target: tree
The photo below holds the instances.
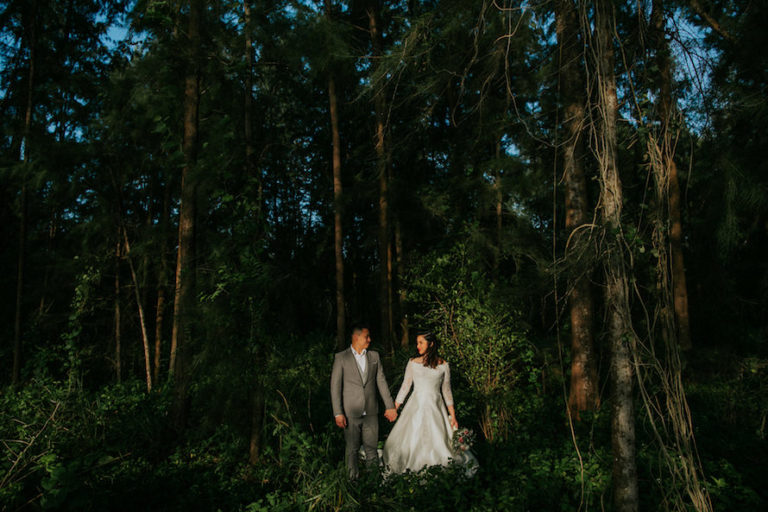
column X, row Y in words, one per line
column 184, row 301
column 665, row 172
column 338, row 234
column 382, row 171
column 584, row 392
column 618, row 316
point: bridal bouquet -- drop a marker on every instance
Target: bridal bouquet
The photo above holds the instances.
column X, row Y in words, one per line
column 463, row 439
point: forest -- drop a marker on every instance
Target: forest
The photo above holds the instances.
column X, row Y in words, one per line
column 198, row 199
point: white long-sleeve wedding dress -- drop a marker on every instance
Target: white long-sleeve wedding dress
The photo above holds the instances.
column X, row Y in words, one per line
column 423, row 432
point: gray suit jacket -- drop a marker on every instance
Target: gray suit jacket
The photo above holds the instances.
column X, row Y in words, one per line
column 351, row 394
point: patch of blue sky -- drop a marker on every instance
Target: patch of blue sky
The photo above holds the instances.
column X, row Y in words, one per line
column 509, row 147
column 695, row 63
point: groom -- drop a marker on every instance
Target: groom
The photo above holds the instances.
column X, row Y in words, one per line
column 356, row 375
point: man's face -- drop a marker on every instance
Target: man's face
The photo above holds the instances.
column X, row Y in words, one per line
column 361, row 339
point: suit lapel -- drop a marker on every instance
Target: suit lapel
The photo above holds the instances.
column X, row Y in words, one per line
column 367, row 367
column 353, row 362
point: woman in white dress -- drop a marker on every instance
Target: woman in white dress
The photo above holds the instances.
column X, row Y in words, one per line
column 423, row 433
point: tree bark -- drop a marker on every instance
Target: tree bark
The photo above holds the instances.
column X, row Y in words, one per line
column 618, row 320
column 584, row 391
column 667, row 178
column 52, row 227
column 405, row 334
column 184, row 300
column 711, row 21
column 257, row 393
column 17, row 334
column 338, row 238
column 250, row 151
column 30, row 28
column 162, row 284
column 118, row 314
column 140, row 307
column 385, row 250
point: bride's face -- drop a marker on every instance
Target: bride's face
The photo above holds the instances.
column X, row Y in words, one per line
column 421, row 345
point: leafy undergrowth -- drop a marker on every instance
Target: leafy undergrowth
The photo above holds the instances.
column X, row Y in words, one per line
column 113, row 449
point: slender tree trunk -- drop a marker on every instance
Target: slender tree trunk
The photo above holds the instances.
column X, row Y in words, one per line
column 25, row 150
column 338, row 235
column 618, row 320
column 337, row 217
column 405, row 335
column 118, row 314
column 162, row 285
column 17, row 334
column 584, row 395
column 385, row 251
column 146, row 262
column 499, row 199
column 184, row 300
column 248, row 97
column 142, row 318
column 257, row 421
column 257, row 392
column 52, row 227
column 667, row 177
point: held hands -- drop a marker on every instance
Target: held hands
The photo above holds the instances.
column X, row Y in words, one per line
column 341, row 421
column 391, row 414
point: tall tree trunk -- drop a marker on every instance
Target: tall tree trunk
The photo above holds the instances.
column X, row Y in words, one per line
column 667, row 177
column 30, row 28
column 184, row 300
column 162, row 281
column 618, row 319
column 584, row 389
column 257, row 391
column 17, row 345
column 338, row 238
column 385, row 250
column 118, row 314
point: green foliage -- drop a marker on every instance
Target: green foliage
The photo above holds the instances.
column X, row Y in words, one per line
column 482, row 331
column 473, row 113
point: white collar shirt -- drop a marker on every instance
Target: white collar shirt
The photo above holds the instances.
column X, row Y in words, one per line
column 362, row 361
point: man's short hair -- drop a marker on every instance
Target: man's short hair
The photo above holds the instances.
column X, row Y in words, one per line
column 357, row 327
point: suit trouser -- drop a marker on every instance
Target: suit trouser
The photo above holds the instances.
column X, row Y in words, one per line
column 365, row 429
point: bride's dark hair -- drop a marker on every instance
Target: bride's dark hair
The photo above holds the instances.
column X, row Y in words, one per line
column 431, row 357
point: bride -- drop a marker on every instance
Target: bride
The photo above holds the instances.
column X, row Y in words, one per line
column 423, row 433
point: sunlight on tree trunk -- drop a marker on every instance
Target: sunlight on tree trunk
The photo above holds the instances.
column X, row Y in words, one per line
column 618, row 319
column 584, row 391
column 140, row 307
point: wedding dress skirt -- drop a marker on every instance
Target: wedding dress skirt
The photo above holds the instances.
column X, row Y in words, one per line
column 423, row 433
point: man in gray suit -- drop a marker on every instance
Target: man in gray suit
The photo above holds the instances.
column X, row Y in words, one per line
column 357, row 374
